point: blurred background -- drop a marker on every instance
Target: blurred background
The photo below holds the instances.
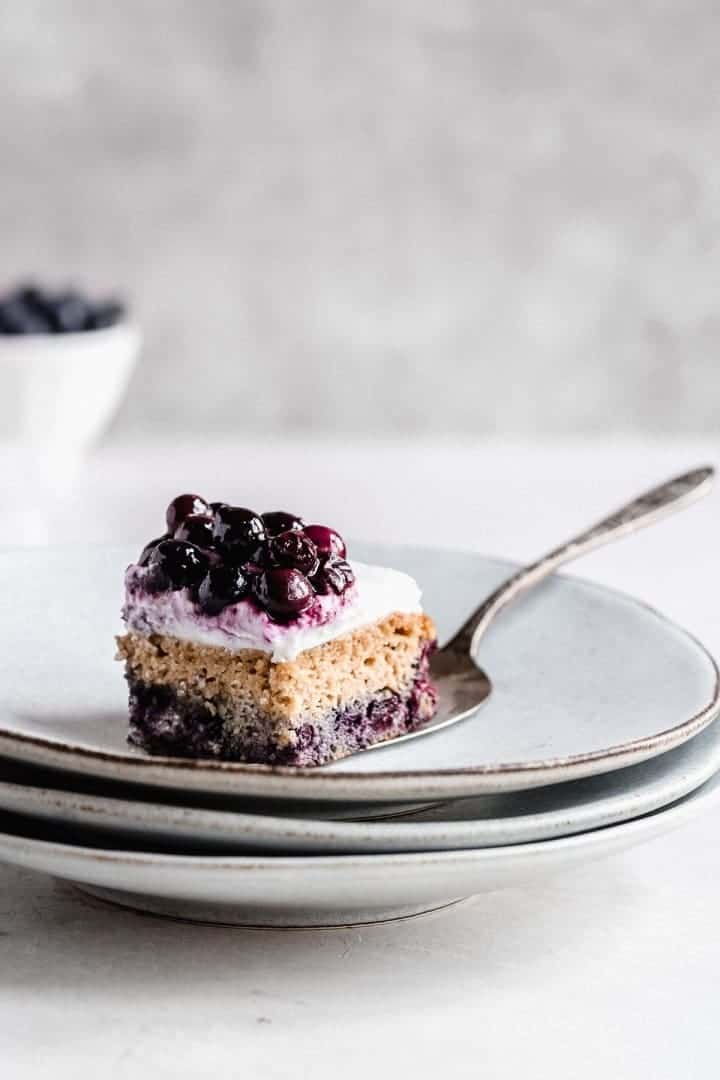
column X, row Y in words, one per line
column 396, row 218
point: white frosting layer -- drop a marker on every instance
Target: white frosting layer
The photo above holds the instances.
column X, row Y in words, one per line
column 378, row 591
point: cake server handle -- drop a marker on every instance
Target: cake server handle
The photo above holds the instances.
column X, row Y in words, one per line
column 645, row 510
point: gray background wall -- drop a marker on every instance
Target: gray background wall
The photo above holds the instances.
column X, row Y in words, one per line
column 379, row 216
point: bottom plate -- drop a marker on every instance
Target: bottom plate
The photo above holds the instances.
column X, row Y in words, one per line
column 322, row 891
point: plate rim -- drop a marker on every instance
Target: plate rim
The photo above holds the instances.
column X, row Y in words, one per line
column 315, row 783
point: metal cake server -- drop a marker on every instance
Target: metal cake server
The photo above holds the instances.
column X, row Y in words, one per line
column 461, row 682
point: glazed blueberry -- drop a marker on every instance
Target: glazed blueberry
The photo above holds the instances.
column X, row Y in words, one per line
column 196, row 529
column 294, row 550
column 334, row 576
column 284, row 592
column 277, row 521
column 252, row 569
column 182, row 507
column 175, row 564
column 222, row 586
column 236, row 527
column 149, row 548
column 327, row 541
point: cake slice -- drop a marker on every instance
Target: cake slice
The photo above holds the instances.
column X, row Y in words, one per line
column 252, row 638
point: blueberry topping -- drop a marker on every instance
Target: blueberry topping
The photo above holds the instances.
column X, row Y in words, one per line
column 327, row 541
column 334, row 576
column 251, row 570
column 182, row 507
column 236, row 527
column 224, row 553
column 277, row 521
column 284, row 592
column 175, row 564
column 294, row 550
column 149, row 548
column 221, row 586
column 196, row 529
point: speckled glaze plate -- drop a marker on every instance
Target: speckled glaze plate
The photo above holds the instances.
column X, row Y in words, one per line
column 485, row 821
column 585, row 680
column 319, row 890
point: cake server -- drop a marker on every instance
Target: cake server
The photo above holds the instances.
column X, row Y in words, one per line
column 461, row 683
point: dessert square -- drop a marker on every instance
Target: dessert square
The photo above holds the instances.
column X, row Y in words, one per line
column 252, row 638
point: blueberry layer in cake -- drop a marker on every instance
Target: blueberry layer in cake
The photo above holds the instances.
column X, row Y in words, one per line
column 251, row 637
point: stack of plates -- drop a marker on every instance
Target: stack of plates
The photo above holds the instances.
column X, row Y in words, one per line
column 599, row 734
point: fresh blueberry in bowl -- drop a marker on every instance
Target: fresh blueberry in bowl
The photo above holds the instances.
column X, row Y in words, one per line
column 175, row 564
column 69, row 312
column 105, row 315
column 284, row 592
column 32, row 309
column 294, row 550
column 18, row 318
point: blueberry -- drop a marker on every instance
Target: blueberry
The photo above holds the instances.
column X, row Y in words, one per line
column 284, row 592
column 277, row 521
column 181, row 507
column 221, row 586
column 253, row 571
column 240, row 529
column 68, row 312
column 175, row 564
column 334, row 576
column 17, row 317
column 196, row 529
column 149, row 548
column 305, row 736
column 30, row 294
column 31, row 310
column 327, row 541
column 103, row 315
column 294, row 550
column 384, row 713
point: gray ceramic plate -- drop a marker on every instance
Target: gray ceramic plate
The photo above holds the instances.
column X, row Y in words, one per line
column 486, row 821
column 585, row 681
column 320, row 890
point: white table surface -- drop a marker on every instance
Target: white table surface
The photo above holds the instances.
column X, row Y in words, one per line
column 610, row 973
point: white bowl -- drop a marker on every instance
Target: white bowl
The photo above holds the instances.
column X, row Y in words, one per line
column 57, row 394
column 58, row 391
